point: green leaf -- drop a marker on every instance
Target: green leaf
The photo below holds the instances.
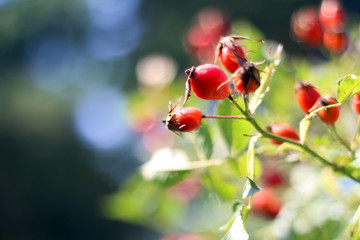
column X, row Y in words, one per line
column 168, row 179
column 216, row 182
column 347, row 87
column 250, row 157
column 237, row 230
column 239, row 128
column 266, row 77
column 354, row 227
column 250, row 188
column 172, row 160
column 224, row 109
column 303, row 128
column 203, row 140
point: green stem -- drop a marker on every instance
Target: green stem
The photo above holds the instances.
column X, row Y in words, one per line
column 296, row 143
column 223, row 117
column 332, row 129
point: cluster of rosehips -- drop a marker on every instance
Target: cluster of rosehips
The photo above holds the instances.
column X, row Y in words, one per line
column 325, row 25
column 209, row 82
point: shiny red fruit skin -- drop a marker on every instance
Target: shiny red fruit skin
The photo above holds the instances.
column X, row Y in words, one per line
column 332, row 15
column 336, row 42
column 306, row 95
column 266, row 203
column 209, row 82
column 330, row 115
column 187, row 119
column 228, row 59
column 283, row 130
column 355, row 101
column 239, row 85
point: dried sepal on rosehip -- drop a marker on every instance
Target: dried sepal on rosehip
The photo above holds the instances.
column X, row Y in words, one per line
column 246, row 76
column 185, row 120
column 329, row 115
column 231, row 54
column 306, row 95
column 246, row 79
column 208, row 82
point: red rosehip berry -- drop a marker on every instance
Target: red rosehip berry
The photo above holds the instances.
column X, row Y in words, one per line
column 246, row 79
column 306, row 26
column 306, row 95
column 355, row 101
column 330, row 115
column 228, row 58
column 336, row 42
column 266, row 203
column 209, row 82
column 272, row 177
column 332, row 15
column 187, row 119
column 283, row 130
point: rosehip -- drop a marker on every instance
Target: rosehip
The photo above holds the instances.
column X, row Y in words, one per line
column 306, row 95
column 209, row 82
column 332, row 15
column 272, row 177
column 330, row 115
column 246, row 79
column 355, row 101
column 266, row 203
column 283, row 130
column 306, row 26
column 187, row 119
column 228, row 58
column 336, row 42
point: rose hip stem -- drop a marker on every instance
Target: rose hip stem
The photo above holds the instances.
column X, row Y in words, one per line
column 304, row 147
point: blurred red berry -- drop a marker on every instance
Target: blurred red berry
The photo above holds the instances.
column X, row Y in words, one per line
column 306, row 95
column 283, row 130
column 332, row 15
column 209, row 82
column 201, row 38
column 272, row 177
column 330, row 115
column 187, row 119
column 336, row 42
column 266, row 203
column 355, row 101
column 306, row 26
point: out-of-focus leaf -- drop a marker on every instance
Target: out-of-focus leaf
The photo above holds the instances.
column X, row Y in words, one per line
column 170, row 160
column 203, row 140
column 239, row 128
column 303, row 128
column 215, row 181
column 288, row 147
column 242, row 164
column 168, row 179
column 140, row 202
column 250, row 188
column 237, row 230
column 250, row 157
column 347, row 87
column 224, row 109
column 266, row 77
column 354, row 227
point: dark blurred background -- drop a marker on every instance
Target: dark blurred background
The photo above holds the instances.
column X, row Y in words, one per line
column 66, row 69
